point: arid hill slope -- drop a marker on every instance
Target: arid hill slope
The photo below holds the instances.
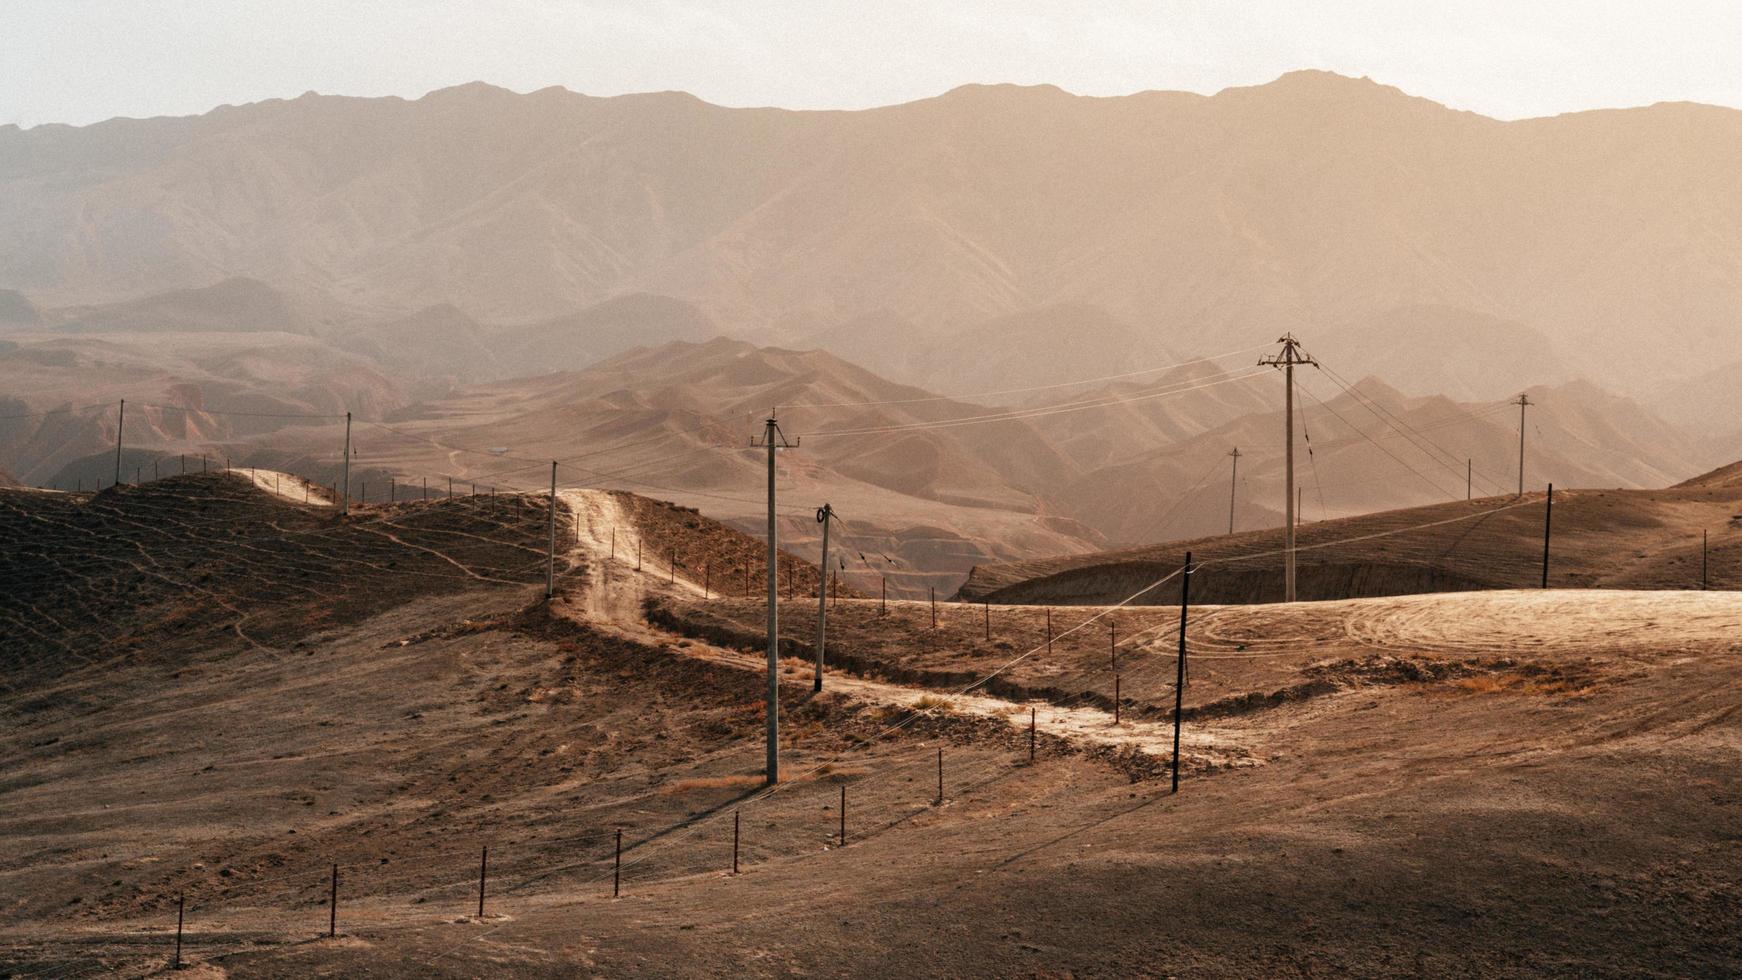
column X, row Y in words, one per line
column 269, row 691
column 1629, row 539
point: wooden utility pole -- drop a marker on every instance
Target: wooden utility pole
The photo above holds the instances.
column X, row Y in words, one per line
column 773, row 440
column 825, row 515
column 345, row 499
column 550, row 571
column 120, row 423
column 1523, row 403
column 1233, row 485
column 1290, row 355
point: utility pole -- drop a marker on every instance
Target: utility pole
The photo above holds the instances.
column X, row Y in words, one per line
column 119, row 424
column 1469, row 471
column 1523, row 403
column 1290, row 355
column 1179, row 684
column 773, row 439
column 550, row 572
column 1233, row 484
column 1547, row 524
column 345, row 498
column 824, row 515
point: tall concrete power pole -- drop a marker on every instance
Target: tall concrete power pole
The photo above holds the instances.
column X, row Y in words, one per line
column 1523, row 403
column 773, row 440
column 1290, row 355
column 1233, row 483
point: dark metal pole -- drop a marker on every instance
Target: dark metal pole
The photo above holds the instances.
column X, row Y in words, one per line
column 1049, row 631
column 1030, row 734
column 883, row 604
column 333, row 906
column 120, row 423
column 934, row 606
column 345, row 502
column 734, row 841
column 1116, row 700
column 940, row 776
column 1547, row 522
column 617, row 868
column 550, row 570
column 1179, row 683
column 843, row 814
column 483, row 868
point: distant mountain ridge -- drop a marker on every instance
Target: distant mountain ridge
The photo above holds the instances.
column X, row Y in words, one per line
column 1615, row 237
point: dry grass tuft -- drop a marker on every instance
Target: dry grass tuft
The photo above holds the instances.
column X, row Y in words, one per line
column 711, row 782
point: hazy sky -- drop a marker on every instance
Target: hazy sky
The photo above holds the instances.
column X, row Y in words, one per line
column 83, row 60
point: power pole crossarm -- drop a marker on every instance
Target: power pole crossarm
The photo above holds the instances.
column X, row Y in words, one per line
column 1290, row 355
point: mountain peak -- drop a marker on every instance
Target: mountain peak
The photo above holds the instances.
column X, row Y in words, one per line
column 467, row 90
column 993, row 90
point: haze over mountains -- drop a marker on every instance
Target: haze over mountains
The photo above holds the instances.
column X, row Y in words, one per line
column 548, row 272
column 1314, row 200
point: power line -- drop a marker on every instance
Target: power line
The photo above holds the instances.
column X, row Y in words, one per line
column 1040, row 412
column 969, row 396
column 1385, row 415
column 1400, row 461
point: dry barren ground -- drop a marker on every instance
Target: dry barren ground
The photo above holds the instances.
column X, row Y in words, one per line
column 218, row 694
column 1621, row 539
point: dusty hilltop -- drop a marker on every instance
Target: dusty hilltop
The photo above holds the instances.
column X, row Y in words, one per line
column 218, row 692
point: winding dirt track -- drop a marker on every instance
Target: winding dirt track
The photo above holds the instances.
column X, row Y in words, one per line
column 613, row 601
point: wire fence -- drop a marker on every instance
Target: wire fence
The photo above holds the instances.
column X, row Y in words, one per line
column 262, row 925
column 290, row 925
